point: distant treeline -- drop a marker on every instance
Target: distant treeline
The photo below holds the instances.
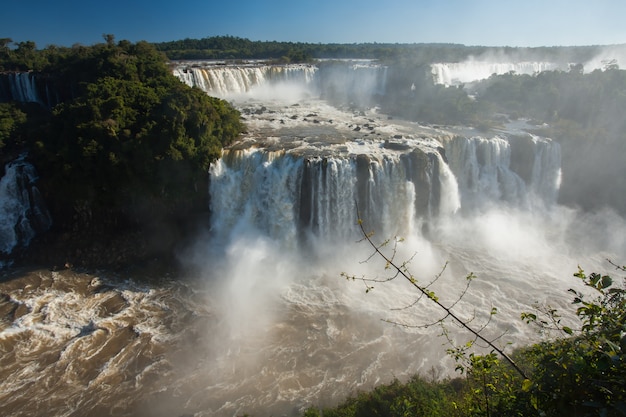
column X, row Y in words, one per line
column 23, row 56
column 231, row 47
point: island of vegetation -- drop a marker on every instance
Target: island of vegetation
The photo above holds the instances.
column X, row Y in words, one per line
column 122, row 150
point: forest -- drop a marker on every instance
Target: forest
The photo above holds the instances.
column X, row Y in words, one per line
column 132, row 140
column 233, row 48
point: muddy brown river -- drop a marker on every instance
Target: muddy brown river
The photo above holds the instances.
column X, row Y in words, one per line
column 78, row 344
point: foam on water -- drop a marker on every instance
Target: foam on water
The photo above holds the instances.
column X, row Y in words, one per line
column 264, row 323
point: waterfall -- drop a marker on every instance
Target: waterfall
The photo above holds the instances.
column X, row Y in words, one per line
column 296, row 198
column 29, row 87
column 455, row 73
column 22, row 210
column 520, row 171
column 357, row 82
column 222, row 81
column 23, row 87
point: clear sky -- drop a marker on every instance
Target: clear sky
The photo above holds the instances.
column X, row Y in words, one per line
column 468, row 22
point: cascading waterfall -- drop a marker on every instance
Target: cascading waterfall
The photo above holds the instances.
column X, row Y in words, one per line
column 293, row 198
column 23, row 87
column 524, row 172
column 231, row 80
column 29, row 87
column 456, row 73
column 345, row 82
column 252, row 188
column 546, row 172
column 22, row 210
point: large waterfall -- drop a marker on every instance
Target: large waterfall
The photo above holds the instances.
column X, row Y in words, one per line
column 343, row 81
column 263, row 322
column 522, row 171
column 222, row 81
column 394, row 174
column 290, row 197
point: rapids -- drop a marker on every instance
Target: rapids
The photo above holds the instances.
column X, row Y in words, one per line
column 261, row 321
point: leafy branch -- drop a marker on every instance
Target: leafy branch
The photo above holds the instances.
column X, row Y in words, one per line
column 401, row 270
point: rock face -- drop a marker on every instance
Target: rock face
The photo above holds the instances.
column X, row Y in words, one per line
column 28, row 235
column 116, row 249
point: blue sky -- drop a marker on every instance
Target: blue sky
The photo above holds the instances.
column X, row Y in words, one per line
column 469, row 22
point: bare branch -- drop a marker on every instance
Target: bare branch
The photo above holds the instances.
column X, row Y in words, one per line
column 424, row 291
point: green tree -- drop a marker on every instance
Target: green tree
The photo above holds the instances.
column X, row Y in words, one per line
column 584, row 374
column 128, row 135
column 11, row 119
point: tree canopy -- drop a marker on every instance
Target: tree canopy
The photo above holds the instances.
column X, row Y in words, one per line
column 126, row 136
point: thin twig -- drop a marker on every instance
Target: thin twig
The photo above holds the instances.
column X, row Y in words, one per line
column 430, row 295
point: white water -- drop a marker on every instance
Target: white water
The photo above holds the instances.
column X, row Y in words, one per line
column 339, row 81
column 265, row 324
column 453, row 73
column 22, row 212
column 477, row 68
column 483, row 168
column 227, row 81
column 23, row 87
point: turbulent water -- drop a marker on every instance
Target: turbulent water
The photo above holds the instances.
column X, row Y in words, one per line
column 263, row 322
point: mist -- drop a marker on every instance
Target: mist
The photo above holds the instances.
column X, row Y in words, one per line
column 280, row 304
column 287, row 330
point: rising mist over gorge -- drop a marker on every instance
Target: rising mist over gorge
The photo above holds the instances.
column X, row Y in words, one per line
column 255, row 169
column 566, row 92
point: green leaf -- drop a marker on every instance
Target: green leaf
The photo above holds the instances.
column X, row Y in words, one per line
column 527, row 385
column 606, row 281
column 567, row 330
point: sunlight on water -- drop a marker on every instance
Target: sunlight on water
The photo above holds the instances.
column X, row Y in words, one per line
column 262, row 321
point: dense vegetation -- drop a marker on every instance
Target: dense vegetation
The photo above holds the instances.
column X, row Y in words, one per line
column 127, row 146
column 232, row 47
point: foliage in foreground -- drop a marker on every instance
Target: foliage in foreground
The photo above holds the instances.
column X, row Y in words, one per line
column 584, row 374
column 579, row 374
column 417, row 397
